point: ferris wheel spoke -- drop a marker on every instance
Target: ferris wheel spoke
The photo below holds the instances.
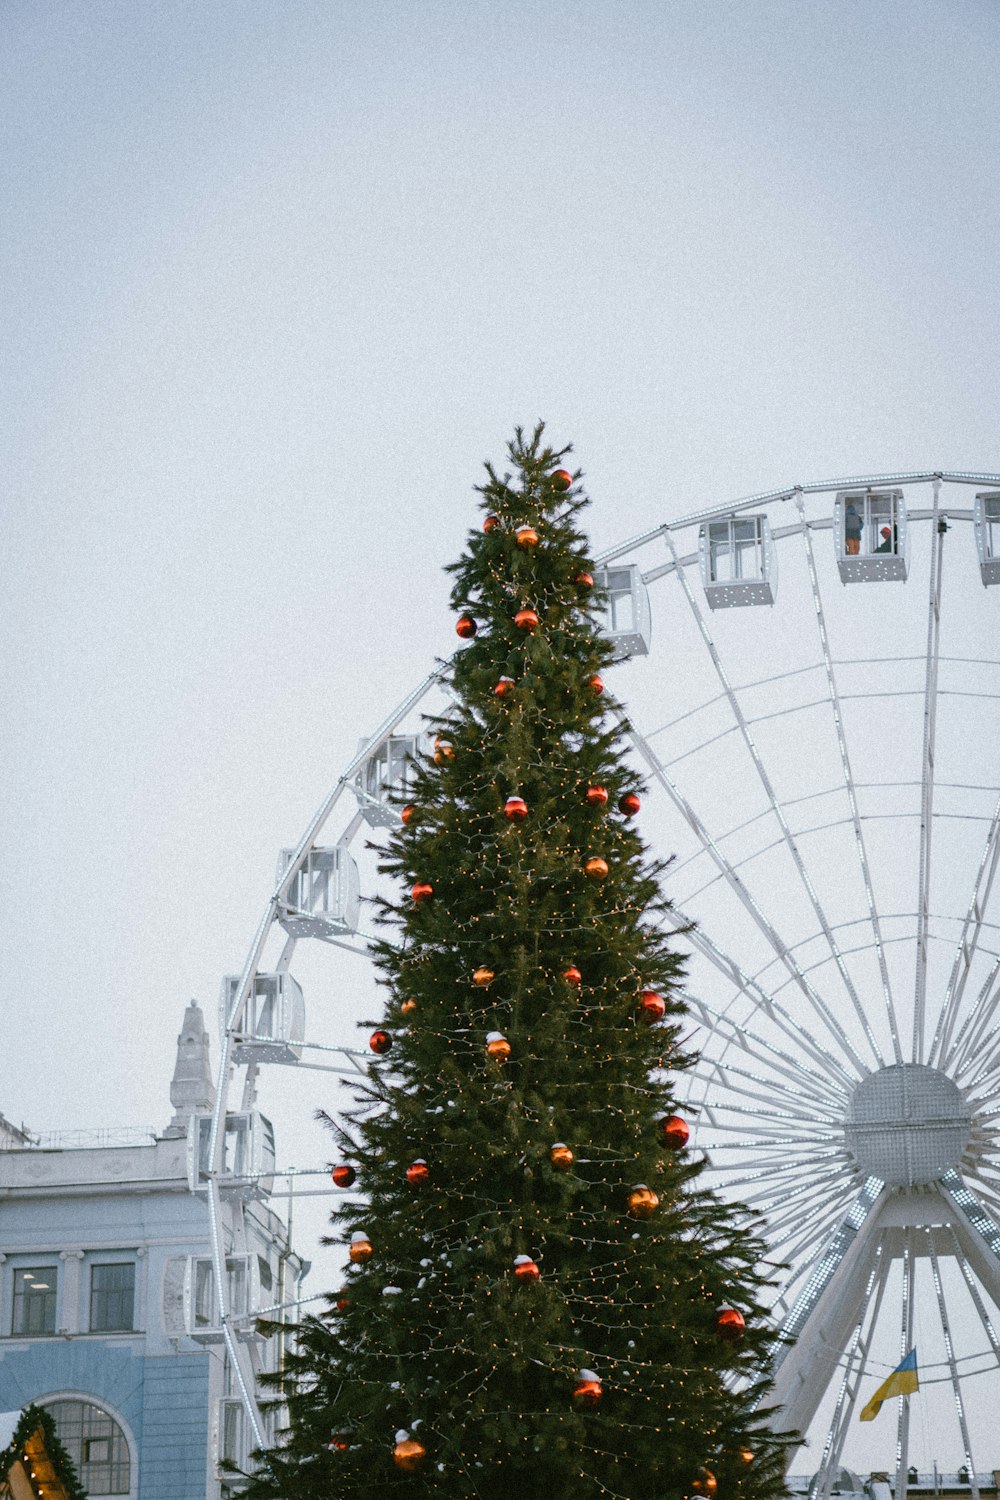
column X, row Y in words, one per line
column 776, row 1099
column 976, row 1297
column 777, row 810
column 973, row 1038
column 824, row 1209
column 799, row 1182
column 758, row 1049
column 849, row 784
column 968, row 943
column 953, row 1369
column 771, row 1170
column 857, row 1355
column 679, row 921
column 927, row 781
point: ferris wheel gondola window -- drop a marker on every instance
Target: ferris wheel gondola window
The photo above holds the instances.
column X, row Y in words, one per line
column 739, row 565
column 627, row 621
column 987, row 525
column 272, row 1021
column 323, row 899
column 381, row 783
column 869, row 533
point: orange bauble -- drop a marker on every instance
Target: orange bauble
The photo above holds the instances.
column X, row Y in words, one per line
column 504, row 686
column 380, row 1042
column 497, row 1045
column 597, row 796
column 652, row 1007
column 338, row 1442
column 674, row 1132
column 466, row 627
column 584, row 580
column 526, row 537
column 408, row 1455
column 418, row 1172
column 588, row 1390
column 526, row 619
column 443, row 750
column 596, row 684
column 344, row 1176
column 629, row 804
column 642, row 1201
column 516, row 809
column 573, row 976
column 483, row 977
column 704, row 1483
column 730, row 1324
column 422, row 891
column 408, row 813
column 408, row 1006
column 343, row 1302
column 361, row 1249
column 561, row 479
column 525, row 1269
column 561, row 1156
column 596, row 867
column 490, row 523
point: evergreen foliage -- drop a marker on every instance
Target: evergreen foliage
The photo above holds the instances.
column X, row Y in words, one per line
column 32, row 1418
column 435, row 1334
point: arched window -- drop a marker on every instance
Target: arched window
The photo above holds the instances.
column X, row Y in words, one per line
column 95, row 1443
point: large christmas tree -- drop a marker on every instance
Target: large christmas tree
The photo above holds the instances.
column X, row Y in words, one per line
column 541, row 1300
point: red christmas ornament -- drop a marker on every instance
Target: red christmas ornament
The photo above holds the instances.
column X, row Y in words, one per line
column 504, row 686
column 642, row 1202
column 561, row 1156
column 516, row 809
column 408, row 1006
column 380, row 1042
column 596, row 796
column 338, row 1442
column 561, row 479
column 588, row 1390
column 596, row 684
column 443, row 750
column 526, row 619
column 526, row 537
column 674, row 1132
column 422, row 891
column 361, row 1248
column 408, row 814
column 629, row 804
column 490, row 523
column 596, row 867
column 497, row 1045
column 525, row 1269
column 343, row 1302
column 652, row 1007
column 705, row 1484
column 730, row 1324
column 483, row 977
column 408, row 1454
column 466, row 627
column 344, row 1176
column 573, row 976
column 418, row 1172
column 584, row 580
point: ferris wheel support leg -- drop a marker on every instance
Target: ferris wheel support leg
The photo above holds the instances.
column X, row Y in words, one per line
column 927, row 782
column 953, row 1368
column 830, row 1305
column 906, row 1344
column 976, row 1232
column 857, row 1357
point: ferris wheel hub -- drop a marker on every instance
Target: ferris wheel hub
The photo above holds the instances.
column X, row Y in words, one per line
column 907, row 1124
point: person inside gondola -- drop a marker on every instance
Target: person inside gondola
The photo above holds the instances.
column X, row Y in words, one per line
column 852, row 529
column 888, row 542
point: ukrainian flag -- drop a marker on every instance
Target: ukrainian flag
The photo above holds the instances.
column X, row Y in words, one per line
column 902, row 1382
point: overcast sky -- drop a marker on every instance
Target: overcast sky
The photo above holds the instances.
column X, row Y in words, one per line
column 278, row 276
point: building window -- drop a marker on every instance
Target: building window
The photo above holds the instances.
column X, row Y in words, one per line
column 35, row 1290
column 112, row 1297
column 95, row 1443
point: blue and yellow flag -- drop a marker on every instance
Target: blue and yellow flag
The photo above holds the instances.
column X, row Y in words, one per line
column 902, row 1382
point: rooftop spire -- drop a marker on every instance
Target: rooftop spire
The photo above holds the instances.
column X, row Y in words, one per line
column 191, row 1087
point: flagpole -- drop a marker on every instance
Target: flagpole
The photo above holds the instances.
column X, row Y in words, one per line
column 906, row 1344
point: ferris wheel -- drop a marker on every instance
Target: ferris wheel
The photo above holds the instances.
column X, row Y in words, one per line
column 812, row 681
